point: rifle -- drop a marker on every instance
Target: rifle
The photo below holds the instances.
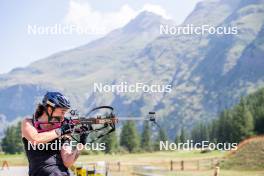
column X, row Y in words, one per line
column 96, row 125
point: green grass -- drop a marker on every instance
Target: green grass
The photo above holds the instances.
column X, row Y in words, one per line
column 137, row 158
column 159, row 157
column 199, row 173
column 155, row 156
column 14, row 160
column 222, row 173
column 249, row 156
column 21, row 160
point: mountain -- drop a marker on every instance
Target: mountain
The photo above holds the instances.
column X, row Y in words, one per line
column 75, row 71
column 208, row 73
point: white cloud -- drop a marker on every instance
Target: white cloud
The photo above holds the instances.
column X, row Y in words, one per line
column 81, row 14
column 156, row 9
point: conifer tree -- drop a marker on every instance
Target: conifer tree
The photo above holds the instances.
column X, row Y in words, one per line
column 129, row 138
column 146, row 137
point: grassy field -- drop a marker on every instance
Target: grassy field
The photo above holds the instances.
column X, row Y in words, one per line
column 211, row 173
column 201, row 173
column 151, row 157
column 14, row 160
column 249, row 155
column 21, row 160
column 155, row 157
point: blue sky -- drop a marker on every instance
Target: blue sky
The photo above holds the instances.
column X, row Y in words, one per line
column 19, row 47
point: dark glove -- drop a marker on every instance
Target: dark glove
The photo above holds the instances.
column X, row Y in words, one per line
column 66, row 128
column 83, row 136
column 65, row 140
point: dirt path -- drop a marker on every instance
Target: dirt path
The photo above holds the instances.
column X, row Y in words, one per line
column 14, row 171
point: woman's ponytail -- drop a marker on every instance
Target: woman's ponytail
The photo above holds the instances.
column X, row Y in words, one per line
column 39, row 111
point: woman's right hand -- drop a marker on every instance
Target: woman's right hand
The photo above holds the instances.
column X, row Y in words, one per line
column 66, row 128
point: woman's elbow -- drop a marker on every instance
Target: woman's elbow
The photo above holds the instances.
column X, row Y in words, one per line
column 35, row 141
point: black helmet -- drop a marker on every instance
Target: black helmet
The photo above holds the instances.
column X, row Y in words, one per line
column 56, row 100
